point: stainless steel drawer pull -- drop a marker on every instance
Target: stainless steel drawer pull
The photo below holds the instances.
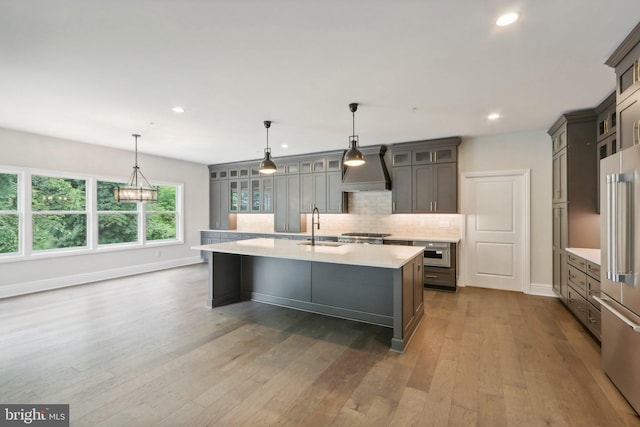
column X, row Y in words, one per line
column 629, row 323
column 430, row 276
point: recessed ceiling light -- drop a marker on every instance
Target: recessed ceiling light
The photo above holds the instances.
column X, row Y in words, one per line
column 507, row 19
column 285, row 146
column 177, row 109
column 493, row 116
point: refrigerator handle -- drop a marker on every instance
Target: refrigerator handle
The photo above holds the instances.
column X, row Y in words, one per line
column 629, row 323
column 619, row 257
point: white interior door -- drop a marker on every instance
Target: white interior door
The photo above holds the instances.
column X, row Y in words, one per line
column 496, row 205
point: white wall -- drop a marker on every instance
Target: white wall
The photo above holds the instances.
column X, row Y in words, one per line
column 19, row 149
column 525, row 150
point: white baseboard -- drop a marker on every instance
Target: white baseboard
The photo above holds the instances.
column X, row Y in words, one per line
column 543, row 290
column 94, row 276
column 539, row 289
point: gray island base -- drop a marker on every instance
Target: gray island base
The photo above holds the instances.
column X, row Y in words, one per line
column 377, row 284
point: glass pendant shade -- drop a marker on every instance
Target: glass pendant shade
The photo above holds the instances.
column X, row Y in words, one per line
column 138, row 188
column 267, row 166
column 353, row 156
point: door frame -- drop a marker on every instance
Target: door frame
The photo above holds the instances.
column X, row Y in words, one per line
column 526, row 208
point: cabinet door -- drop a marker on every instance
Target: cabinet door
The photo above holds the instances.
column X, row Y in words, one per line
column 319, row 191
column 306, row 193
column 401, row 158
column 628, row 133
column 424, row 185
column 267, row 194
column 234, row 196
column 293, row 203
column 335, row 197
column 402, row 190
column 244, row 194
column 256, row 196
column 418, row 285
column 560, row 176
column 446, row 188
column 559, row 140
column 214, row 204
column 628, row 74
column 407, row 295
column 280, row 207
column 560, row 276
column 560, row 226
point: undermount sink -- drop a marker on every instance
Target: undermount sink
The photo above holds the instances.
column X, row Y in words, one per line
column 334, row 244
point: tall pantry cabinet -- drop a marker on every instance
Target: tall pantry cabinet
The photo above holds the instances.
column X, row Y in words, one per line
column 575, row 204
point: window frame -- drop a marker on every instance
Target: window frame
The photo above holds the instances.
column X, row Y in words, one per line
column 20, row 202
column 25, row 217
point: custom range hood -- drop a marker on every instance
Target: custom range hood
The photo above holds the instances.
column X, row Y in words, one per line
column 370, row 176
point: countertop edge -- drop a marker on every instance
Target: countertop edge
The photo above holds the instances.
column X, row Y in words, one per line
column 590, row 254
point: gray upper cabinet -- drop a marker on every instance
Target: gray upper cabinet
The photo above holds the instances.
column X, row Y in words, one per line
column 402, row 189
column 606, row 121
column 287, row 204
column 626, row 61
column 336, row 198
column 219, row 216
column 425, row 176
column 321, row 184
column 435, row 188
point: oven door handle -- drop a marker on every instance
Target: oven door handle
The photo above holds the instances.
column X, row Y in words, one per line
column 629, row 323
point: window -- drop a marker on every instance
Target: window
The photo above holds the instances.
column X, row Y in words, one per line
column 59, row 211
column 9, row 219
column 117, row 221
column 53, row 214
column 162, row 217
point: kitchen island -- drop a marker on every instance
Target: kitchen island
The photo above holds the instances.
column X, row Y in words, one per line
column 378, row 284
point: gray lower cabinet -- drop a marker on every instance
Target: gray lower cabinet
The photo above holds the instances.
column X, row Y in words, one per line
column 583, row 281
column 287, row 204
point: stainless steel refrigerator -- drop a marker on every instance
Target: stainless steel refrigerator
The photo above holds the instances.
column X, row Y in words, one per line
column 620, row 265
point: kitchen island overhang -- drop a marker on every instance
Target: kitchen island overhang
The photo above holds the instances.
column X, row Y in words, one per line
column 378, row 284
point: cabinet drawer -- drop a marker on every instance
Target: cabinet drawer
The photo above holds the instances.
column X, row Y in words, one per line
column 439, row 276
column 593, row 288
column 579, row 263
column 577, row 304
column 593, row 270
column 577, row 279
column 593, row 320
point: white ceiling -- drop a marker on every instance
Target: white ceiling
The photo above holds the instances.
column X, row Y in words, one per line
column 99, row 70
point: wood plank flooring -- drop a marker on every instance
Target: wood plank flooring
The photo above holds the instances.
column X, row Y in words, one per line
column 144, row 350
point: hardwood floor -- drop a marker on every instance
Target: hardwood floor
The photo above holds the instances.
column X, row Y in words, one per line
column 144, row 350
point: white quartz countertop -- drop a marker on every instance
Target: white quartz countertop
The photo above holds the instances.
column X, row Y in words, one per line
column 591, row 255
column 400, row 236
column 385, row 256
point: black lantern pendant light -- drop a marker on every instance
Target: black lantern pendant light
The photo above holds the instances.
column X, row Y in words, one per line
column 353, row 156
column 267, row 165
column 136, row 190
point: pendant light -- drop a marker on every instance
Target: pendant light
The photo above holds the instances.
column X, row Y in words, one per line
column 136, row 190
column 353, row 156
column 267, row 166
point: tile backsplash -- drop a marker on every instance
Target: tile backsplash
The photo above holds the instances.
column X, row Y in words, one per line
column 369, row 211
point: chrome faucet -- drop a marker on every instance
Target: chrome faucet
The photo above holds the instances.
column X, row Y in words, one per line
column 313, row 222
